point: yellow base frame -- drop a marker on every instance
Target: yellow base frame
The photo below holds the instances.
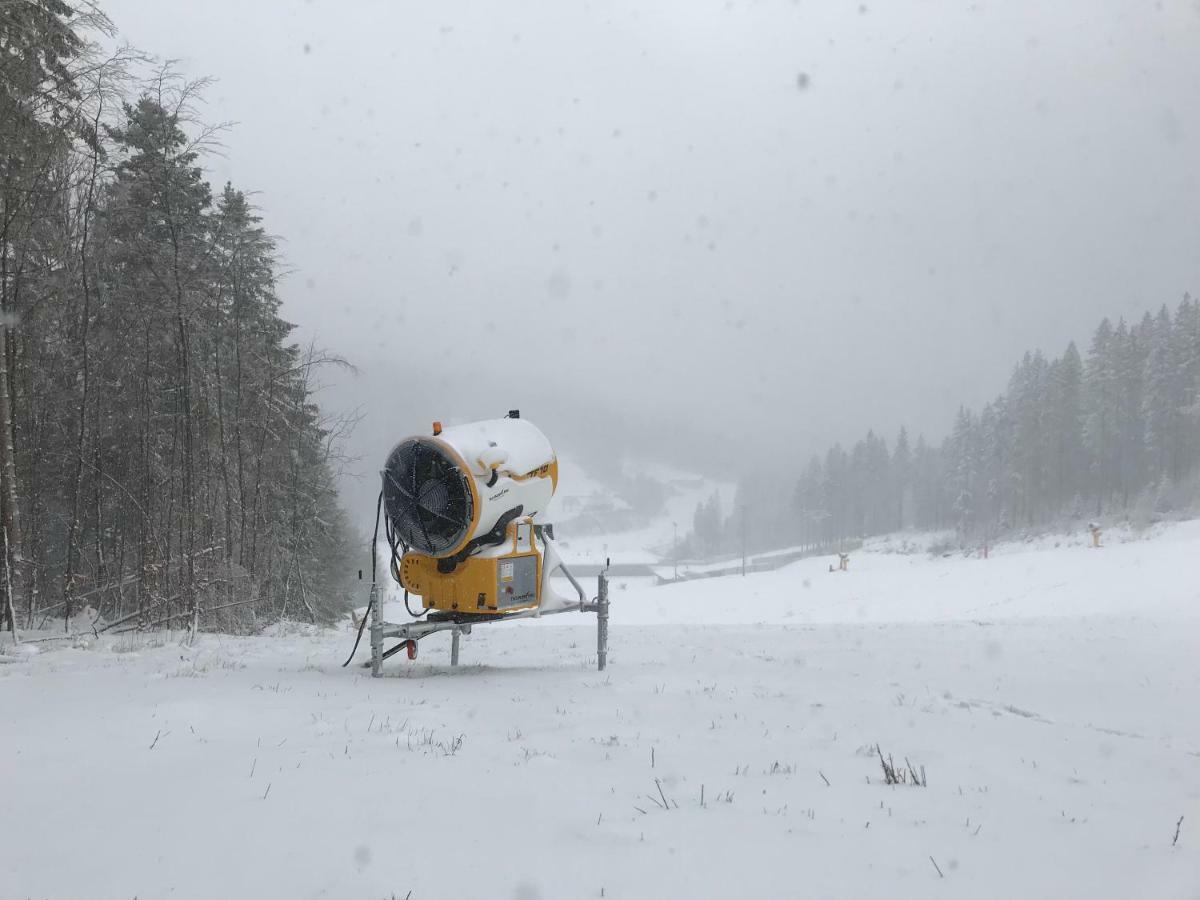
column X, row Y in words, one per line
column 473, row 586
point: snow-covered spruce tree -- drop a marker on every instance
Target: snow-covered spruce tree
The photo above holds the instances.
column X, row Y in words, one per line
column 1101, row 416
column 1130, row 346
column 1185, row 363
column 901, row 482
column 57, row 86
column 931, row 490
column 1160, row 402
column 1067, row 463
column 808, row 503
column 40, row 102
column 963, row 459
column 1025, row 401
column 994, row 452
column 160, row 264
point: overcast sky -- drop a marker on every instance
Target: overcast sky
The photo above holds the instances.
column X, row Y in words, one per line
column 805, row 218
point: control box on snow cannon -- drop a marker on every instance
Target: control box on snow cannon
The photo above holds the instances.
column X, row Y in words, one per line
column 461, row 505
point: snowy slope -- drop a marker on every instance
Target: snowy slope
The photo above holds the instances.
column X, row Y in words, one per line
column 1049, row 693
column 1157, row 578
column 651, row 539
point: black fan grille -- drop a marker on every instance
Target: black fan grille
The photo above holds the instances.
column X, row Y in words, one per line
column 427, row 496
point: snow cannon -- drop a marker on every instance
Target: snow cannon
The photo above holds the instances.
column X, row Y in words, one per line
column 461, row 510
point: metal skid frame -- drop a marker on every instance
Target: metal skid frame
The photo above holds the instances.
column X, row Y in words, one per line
column 462, row 624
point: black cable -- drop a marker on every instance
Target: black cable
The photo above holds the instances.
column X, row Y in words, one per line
column 361, row 626
column 393, row 540
column 395, row 571
column 367, row 614
column 409, row 608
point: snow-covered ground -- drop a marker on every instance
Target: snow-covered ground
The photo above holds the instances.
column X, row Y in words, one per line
column 1053, row 576
column 1050, row 693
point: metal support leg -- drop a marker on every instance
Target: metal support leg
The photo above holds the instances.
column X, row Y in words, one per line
column 376, row 631
column 454, row 636
column 602, row 621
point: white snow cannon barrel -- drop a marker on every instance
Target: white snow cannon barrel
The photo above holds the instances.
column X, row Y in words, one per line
column 461, row 503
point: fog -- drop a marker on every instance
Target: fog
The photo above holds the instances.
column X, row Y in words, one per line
column 701, row 230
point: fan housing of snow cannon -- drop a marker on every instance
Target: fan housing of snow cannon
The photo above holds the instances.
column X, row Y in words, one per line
column 462, row 504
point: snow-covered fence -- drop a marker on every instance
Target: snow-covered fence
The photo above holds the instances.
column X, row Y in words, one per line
column 760, row 562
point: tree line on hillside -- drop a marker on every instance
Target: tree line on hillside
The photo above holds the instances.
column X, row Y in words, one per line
column 1072, row 439
column 161, row 457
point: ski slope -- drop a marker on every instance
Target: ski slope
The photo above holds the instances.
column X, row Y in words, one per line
column 1156, row 576
column 653, row 537
column 1049, row 693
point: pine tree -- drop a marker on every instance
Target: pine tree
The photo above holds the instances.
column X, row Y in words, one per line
column 157, row 222
column 1101, row 417
column 835, row 493
column 1185, row 362
column 901, row 483
column 930, row 486
column 40, row 98
column 1160, row 402
column 1067, row 463
column 963, row 465
column 1130, row 363
column 993, row 452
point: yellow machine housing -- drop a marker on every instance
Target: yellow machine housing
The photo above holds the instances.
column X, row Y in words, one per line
column 503, row 579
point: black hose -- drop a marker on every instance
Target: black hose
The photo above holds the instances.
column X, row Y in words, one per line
column 409, row 608
column 367, row 614
column 392, row 540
